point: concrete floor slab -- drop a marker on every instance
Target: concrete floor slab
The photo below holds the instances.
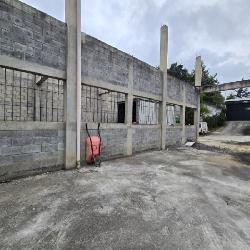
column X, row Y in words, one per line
column 175, row 199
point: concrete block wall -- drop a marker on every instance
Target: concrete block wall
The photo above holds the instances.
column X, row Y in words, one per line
column 114, row 141
column 31, row 35
column 29, row 148
column 190, row 133
column 103, row 62
column 146, row 138
column 191, row 95
column 173, row 136
column 175, row 88
column 147, row 78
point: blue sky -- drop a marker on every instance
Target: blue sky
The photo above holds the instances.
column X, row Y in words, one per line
column 218, row 30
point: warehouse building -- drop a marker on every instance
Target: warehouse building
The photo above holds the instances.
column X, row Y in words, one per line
column 238, row 109
column 139, row 107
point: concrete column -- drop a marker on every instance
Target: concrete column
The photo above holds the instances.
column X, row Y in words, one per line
column 163, row 68
column 37, row 104
column 73, row 21
column 198, row 71
column 184, row 116
column 198, row 78
column 129, row 109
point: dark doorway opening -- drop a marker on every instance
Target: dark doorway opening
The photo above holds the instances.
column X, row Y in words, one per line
column 121, row 112
column 189, row 116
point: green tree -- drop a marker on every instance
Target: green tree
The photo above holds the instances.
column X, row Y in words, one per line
column 178, row 71
column 208, row 79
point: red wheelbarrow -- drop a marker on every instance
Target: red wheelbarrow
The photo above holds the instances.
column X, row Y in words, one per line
column 93, row 147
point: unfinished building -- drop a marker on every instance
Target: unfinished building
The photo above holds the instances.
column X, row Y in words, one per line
column 139, row 106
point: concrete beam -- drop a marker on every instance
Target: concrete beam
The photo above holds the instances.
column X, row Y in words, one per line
column 94, row 125
column 181, row 103
column 110, row 86
column 13, row 63
column 72, row 8
column 163, row 67
column 227, row 86
column 19, row 125
column 147, row 95
column 103, row 84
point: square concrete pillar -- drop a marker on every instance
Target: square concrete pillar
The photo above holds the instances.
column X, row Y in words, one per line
column 184, row 116
column 198, row 79
column 129, row 109
column 73, row 21
column 163, row 68
column 37, row 104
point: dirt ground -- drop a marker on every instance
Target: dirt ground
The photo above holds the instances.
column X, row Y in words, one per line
column 181, row 198
column 234, row 137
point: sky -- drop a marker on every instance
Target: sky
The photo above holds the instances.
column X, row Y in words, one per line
column 218, row 30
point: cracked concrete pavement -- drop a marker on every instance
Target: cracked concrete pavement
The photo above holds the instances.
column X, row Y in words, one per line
column 181, row 198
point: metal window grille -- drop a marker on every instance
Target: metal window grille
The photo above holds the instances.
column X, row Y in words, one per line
column 145, row 111
column 101, row 105
column 28, row 96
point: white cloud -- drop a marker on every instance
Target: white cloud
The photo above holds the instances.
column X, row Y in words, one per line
column 217, row 29
column 54, row 8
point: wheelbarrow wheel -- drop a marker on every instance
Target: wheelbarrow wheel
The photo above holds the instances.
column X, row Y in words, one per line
column 97, row 161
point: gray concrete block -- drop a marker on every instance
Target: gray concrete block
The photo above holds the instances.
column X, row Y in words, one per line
column 5, row 143
column 49, row 147
column 5, row 162
column 52, row 159
column 7, row 134
column 61, row 133
column 61, row 147
column 45, row 133
column 41, row 140
column 23, row 133
column 31, row 149
column 11, row 151
column 22, row 141
column 23, row 160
